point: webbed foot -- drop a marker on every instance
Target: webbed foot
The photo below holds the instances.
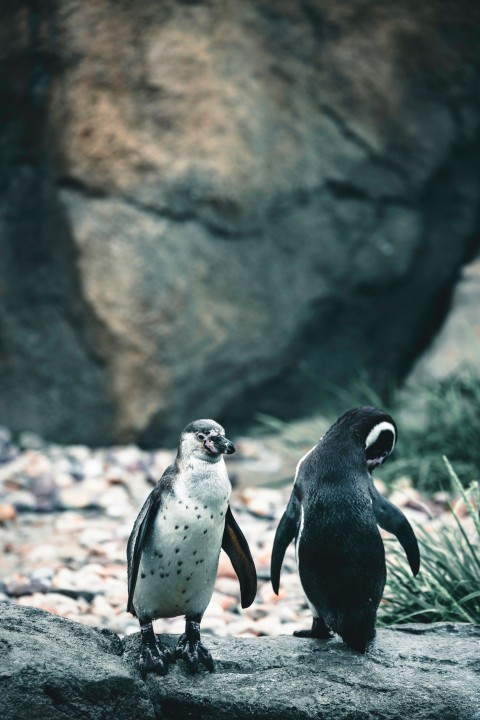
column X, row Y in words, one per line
column 155, row 657
column 191, row 649
column 319, row 630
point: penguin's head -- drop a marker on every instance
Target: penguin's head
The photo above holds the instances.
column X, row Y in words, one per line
column 373, row 429
column 380, row 435
column 205, row 439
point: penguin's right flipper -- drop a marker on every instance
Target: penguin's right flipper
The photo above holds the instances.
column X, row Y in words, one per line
column 391, row 519
column 237, row 549
column 286, row 531
column 136, row 543
column 141, row 529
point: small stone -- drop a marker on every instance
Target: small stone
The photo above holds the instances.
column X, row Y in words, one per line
column 23, row 500
column 74, row 498
column 7, row 513
column 30, row 441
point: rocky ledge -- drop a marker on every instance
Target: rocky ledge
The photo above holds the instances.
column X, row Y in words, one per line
column 52, row 668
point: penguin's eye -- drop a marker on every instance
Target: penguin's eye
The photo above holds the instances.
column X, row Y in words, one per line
column 201, row 436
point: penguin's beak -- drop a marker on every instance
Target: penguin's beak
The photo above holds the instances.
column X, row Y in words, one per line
column 227, row 446
column 219, row 444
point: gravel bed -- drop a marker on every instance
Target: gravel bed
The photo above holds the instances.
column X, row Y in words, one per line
column 66, row 514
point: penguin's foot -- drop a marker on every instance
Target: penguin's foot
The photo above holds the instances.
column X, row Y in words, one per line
column 319, row 630
column 191, row 649
column 358, row 641
column 155, row 657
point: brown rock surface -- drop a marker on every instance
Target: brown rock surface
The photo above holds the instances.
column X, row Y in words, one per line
column 212, row 208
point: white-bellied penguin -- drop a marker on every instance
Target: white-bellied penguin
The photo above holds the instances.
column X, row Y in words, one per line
column 175, row 544
column 333, row 514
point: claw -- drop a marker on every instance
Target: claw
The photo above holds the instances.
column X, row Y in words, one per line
column 192, row 650
column 155, row 657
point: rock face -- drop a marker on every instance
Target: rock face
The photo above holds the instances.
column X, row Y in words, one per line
column 214, row 208
column 53, row 668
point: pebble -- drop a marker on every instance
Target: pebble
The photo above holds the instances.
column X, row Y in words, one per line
column 7, row 513
column 66, row 514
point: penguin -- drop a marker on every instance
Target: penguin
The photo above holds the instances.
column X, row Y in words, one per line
column 175, row 544
column 333, row 513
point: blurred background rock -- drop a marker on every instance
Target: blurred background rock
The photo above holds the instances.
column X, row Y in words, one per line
column 226, row 208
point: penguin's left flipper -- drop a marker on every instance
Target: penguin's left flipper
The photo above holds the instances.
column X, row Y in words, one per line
column 286, row 531
column 237, row 549
column 391, row 519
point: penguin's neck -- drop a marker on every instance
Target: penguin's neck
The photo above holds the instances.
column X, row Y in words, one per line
column 205, row 481
column 345, row 461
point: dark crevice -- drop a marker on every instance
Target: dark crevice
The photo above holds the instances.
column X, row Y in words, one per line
column 179, row 216
column 346, row 131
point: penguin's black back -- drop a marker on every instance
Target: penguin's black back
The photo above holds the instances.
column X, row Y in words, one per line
column 340, row 553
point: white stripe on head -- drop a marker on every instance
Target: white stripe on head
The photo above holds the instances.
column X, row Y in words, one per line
column 374, row 433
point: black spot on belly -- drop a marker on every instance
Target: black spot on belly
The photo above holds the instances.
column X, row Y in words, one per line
column 184, row 537
column 196, row 507
column 204, row 507
column 183, row 592
column 186, row 527
column 202, row 561
column 151, row 572
column 211, row 517
column 162, row 575
column 186, row 602
column 176, row 527
column 177, row 550
column 204, row 532
column 143, row 576
column 199, row 516
column 179, row 572
column 194, row 552
column 179, row 563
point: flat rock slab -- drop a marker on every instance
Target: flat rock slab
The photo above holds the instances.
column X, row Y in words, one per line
column 52, row 668
column 55, row 669
column 415, row 671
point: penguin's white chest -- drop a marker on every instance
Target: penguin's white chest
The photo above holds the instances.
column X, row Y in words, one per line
column 179, row 562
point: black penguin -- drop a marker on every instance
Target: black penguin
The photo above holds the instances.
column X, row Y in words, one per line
column 333, row 514
column 175, row 544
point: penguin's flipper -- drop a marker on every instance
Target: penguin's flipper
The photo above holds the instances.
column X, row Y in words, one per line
column 237, row 549
column 286, row 531
column 136, row 542
column 391, row 519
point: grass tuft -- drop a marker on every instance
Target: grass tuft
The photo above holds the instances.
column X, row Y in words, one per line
column 449, row 422
column 448, row 586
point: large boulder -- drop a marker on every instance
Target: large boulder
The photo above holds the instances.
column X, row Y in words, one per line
column 52, row 668
column 215, row 208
